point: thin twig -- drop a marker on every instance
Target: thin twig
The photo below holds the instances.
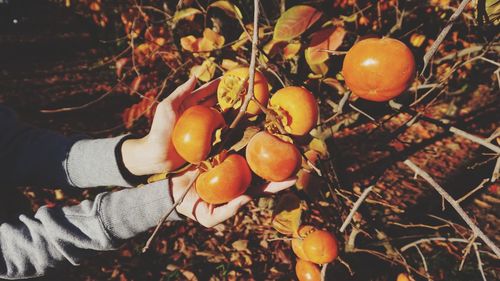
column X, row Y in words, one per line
column 251, row 79
column 472, row 191
column 455, row 205
column 475, row 139
column 442, row 35
column 479, row 262
column 355, row 208
column 423, row 240
column 424, row 263
column 323, row 271
column 167, row 214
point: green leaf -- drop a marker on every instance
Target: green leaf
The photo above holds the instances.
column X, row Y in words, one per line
column 294, row 22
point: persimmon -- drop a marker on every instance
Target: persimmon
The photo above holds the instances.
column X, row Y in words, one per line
column 234, row 86
column 320, row 247
column 194, row 131
column 297, row 243
column 402, row 277
column 225, row 181
column 297, row 109
column 271, row 158
column 307, row 271
column 378, row 69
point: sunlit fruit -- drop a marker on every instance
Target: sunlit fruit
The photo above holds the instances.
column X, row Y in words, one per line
column 193, row 133
column 297, row 243
column 234, row 86
column 307, row 271
column 271, row 158
column 320, row 247
column 403, row 277
column 378, row 69
column 225, row 181
column 297, row 109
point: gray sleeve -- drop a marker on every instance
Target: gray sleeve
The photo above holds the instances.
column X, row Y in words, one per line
column 31, row 245
column 93, row 163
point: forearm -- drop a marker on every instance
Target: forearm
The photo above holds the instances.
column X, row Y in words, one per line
column 30, row 246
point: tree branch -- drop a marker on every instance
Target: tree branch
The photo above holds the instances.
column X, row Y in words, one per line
column 455, row 205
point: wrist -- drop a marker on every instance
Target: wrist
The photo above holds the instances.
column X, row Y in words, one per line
column 136, row 156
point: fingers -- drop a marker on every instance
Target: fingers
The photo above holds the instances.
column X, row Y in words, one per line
column 275, row 187
column 230, row 209
column 203, row 95
column 183, row 90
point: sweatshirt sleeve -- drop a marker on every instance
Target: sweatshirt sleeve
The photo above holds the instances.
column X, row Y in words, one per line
column 31, row 156
column 32, row 245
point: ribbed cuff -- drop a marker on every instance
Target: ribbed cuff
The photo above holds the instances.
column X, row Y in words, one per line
column 92, row 163
column 126, row 174
column 129, row 212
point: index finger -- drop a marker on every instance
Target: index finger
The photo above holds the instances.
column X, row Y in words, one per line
column 203, row 93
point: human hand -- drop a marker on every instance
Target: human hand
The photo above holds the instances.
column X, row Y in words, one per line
column 208, row 215
column 155, row 152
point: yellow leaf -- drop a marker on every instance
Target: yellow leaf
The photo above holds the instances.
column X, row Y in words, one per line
column 294, row 21
column 287, row 214
column 187, row 14
column 417, row 39
column 190, row 43
column 291, row 50
column 319, row 69
column 229, row 8
column 240, row 245
column 228, row 64
column 205, row 71
column 319, row 146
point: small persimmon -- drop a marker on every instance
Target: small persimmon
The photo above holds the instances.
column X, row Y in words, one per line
column 194, row 131
column 320, row 247
column 272, row 158
column 297, row 109
column 225, row 181
column 378, row 69
column 234, row 86
column 297, row 243
column 307, row 271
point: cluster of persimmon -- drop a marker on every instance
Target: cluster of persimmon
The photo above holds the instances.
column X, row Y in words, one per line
column 371, row 71
column 270, row 156
column 313, row 247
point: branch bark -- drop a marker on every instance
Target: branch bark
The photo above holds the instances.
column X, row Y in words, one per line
column 251, row 78
column 442, row 35
column 455, row 205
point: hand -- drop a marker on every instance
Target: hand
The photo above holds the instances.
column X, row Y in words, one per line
column 209, row 215
column 155, row 152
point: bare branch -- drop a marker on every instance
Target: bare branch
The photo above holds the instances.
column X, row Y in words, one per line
column 442, row 35
column 455, row 205
column 355, row 208
column 251, row 79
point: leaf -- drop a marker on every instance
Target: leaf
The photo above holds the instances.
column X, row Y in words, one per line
column 120, row 63
column 229, row 8
column 327, row 39
column 287, row 215
column 493, row 11
column 291, row 50
column 190, row 43
column 294, row 22
column 320, row 146
column 205, row 71
column 320, row 69
column 211, row 40
column 334, row 83
column 136, row 83
column 146, row 107
column 228, row 64
column 247, row 135
column 240, row 245
column 187, row 14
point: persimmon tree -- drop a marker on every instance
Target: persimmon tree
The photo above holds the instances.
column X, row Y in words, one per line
column 298, row 81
